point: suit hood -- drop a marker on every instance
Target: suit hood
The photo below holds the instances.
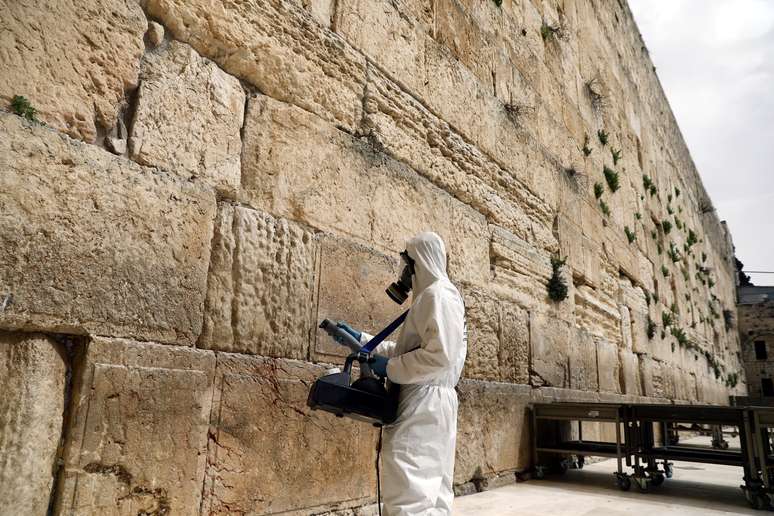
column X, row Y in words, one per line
column 429, row 254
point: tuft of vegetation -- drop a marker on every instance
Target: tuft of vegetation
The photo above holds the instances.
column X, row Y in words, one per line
column 21, row 106
column 666, row 226
column 678, row 223
column 659, row 249
column 670, row 210
column 605, row 208
column 655, row 296
column 703, row 257
column 549, row 31
column 653, row 234
column 667, row 319
column 674, row 253
column 611, row 176
column 710, row 282
column 692, row 239
column 681, row 337
column 638, row 215
column 647, row 182
column 665, row 271
column 677, row 192
column 653, row 190
column 732, row 379
column 631, row 236
column 557, row 287
column 598, row 190
column 616, row 155
column 498, row 3
column 603, row 136
column 647, row 297
column 586, row 149
column 669, row 197
column 651, row 331
column 728, row 319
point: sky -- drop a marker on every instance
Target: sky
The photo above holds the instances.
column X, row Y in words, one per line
column 715, row 60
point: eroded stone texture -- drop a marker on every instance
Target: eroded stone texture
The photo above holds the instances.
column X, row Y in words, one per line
column 32, row 380
column 276, row 46
column 138, row 439
column 297, row 165
column 352, row 281
column 260, row 296
column 498, row 339
column 97, row 243
column 73, row 61
column 492, row 429
column 260, row 417
column 609, row 367
column 583, row 364
column 631, row 382
column 188, row 117
column 550, row 345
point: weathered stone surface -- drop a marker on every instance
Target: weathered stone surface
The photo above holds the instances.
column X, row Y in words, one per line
column 155, row 34
column 630, row 373
column 188, row 117
column 493, row 434
column 352, row 189
column 609, row 367
column 550, row 344
column 97, row 243
column 260, row 417
column 498, row 339
column 352, row 280
column 406, row 130
column 137, row 443
column 277, row 47
column 583, row 374
column 32, row 380
column 73, row 61
column 260, row 293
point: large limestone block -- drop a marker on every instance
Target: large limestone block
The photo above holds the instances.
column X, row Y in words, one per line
column 630, row 373
column 521, row 273
column 298, row 166
column 409, row 132
column 277, row 47
column 493, row 429
column 137, row 443
column 384, row 32
column 498, row 339
column 597, row 313
column 609, row 367
column 74, row 61
column 311, row 460
column 352, row 281
column 97, row 243
column 32, row 380
column 551, row 341
column 261, row 294
column 188, row 117
column 583, row 369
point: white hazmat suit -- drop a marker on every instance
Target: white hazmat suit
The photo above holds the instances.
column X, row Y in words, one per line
column 426, row 360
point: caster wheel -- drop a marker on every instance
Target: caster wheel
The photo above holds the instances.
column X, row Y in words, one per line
column 581, row 462
column 562, row 467
column 540, row 473
column 623, row 483
column 657, row 479
column 668, row 471
column 643, row 485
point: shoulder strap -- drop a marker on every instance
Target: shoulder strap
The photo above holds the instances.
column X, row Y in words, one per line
column 379, row 337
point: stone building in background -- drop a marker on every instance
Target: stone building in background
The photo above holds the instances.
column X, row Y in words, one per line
column 188, row 186
column 756, row 334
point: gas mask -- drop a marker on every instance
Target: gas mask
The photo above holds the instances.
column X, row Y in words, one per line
column 399, row 290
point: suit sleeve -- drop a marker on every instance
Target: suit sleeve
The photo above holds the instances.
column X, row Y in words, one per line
column 441, row 320
column 386, row 347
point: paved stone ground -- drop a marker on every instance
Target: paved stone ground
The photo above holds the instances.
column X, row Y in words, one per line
column 695, row 489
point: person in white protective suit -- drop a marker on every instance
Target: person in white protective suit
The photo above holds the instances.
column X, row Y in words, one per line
column 426, row 360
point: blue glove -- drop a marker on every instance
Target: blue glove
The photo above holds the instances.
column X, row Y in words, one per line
column 378, row 365
column 347, row 328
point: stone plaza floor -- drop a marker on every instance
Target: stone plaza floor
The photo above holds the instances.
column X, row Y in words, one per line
column 695, row 489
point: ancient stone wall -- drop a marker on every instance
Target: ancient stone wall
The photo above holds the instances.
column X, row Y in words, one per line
column 194, row 184
column 756, row 334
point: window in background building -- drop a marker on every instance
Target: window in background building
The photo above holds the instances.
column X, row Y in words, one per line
column 768, row 386
column 760, row 350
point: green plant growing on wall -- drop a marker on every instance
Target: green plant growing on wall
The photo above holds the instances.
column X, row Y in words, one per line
column 605, row 208
column 677, row 192
column 498, row 3
column 638, row 215
column 665, row 271
column 598, row 190
column 557, row 287
column 21, row 106
column 666, row 226
column 673, row 307
column 670, row 210
column 732, row 380
column 611, row 176
column 673, row 253
column 703, row 256
column 647, row 297
column 655, row 297
column 681, row 337
column 678, row 223
column 631, row 236
column 710, row 282
column 659, row 249
column 666, row 319
column 616, row 155
column 651, row 330
column 647, row 182
column 669, row 197
column 549, row 31
column 728, row 319
column 586, row 149
column 653, row 190
column 692, row 239
column 680, row 209
column 603, row 136
column 653, row 234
